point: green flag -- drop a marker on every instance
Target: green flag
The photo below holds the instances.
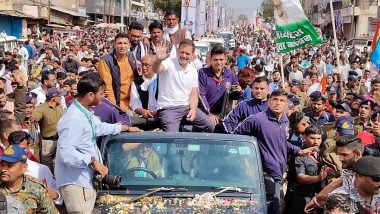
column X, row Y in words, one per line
column 293, row 28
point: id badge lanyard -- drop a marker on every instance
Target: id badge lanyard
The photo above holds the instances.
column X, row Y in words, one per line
column 93, row 138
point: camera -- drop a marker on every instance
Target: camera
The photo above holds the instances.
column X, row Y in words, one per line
column 110, row 180
column 234, row 88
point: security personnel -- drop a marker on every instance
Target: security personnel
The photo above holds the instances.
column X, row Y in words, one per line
column 244, row 109
column 352, row 86
column 32, row 127
column 48, row 115
column 32, row 192
column 318, row 115
column 302, row 96
column 341, row 109
column 365, row 111
column 270, row 128
column 298, row 123
column 343, row 126
column 331, row 98
column 306, row 174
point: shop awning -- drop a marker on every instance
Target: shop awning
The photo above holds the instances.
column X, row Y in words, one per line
column 138, row 3
column 14, row 13
column 57, row 26
column 64, row 10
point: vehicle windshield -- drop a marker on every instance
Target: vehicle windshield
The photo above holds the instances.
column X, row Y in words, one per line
column 183, row 163
column 202, row 50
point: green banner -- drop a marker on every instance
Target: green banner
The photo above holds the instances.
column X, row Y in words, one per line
column 296, row 35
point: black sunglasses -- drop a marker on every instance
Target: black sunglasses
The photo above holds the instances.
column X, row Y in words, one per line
column 375, row 179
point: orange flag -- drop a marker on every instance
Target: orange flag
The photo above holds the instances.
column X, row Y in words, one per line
column 375, row 37
column 323, row 84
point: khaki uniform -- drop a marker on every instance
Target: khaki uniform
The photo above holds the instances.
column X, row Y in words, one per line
column 304, row 99
column 357, row 90
column 48, row 117
column 330, row 158
column 34, row 196
column 359, row 125
column 35, row 141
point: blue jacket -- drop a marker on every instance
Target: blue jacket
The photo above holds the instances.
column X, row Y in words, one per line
column 111, row 61
column 271, row 134
column 211, row 93
column 243, row 110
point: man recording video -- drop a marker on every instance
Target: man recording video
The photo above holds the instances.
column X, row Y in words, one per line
column 77, row 156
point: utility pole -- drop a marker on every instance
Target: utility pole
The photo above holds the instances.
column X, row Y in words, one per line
column 122, row 16
column 104, row 11
column 352, row 20
column 49, row 12
column 109, row 11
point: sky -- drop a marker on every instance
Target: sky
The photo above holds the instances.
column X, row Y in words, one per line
column 243, row 6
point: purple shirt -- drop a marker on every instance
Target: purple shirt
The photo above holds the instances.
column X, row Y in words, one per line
column 109, row 114
column 243, row 110
column 271, row 135
column 211, row 93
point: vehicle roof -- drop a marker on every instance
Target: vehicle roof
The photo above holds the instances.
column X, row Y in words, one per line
column 184, row 135
column 210, row 39
column 201, row 43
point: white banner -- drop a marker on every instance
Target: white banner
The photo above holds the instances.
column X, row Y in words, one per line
column 188, row 14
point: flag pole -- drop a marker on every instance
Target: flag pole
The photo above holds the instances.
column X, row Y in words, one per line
column 282, row 71
column 334, row 31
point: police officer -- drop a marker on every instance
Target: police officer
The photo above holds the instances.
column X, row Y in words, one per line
column 31, row 126
column 352, row 85
column 344, row 126
column 295, row 89
column 341, row 109
column 26, row 189
column 48, row 115
column 365, row 111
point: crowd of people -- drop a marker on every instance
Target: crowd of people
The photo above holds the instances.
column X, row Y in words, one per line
column 316, row 122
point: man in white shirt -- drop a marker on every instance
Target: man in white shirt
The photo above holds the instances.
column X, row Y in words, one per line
column 143, row 90
column 48, row 80
column 178, row 89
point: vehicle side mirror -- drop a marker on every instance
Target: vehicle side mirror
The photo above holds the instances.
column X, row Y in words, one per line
column 270, row 187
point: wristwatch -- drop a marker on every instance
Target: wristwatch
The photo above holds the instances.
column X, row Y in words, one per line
column 92, row 161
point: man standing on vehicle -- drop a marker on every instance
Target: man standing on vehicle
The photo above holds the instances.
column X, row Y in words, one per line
column 172, row 32
column 135, row 35
column 77, row 156
column 118, row 69
column 270, row 128
column 214, row 82
column 178, row 89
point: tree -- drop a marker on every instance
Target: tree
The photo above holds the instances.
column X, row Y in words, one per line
column 169, row 5
column 267, row 8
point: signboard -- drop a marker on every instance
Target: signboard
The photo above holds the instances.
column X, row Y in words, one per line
column 188, row 14
column 6, row 5
column 82, row 11
column 30, row 10
column 372, row 23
